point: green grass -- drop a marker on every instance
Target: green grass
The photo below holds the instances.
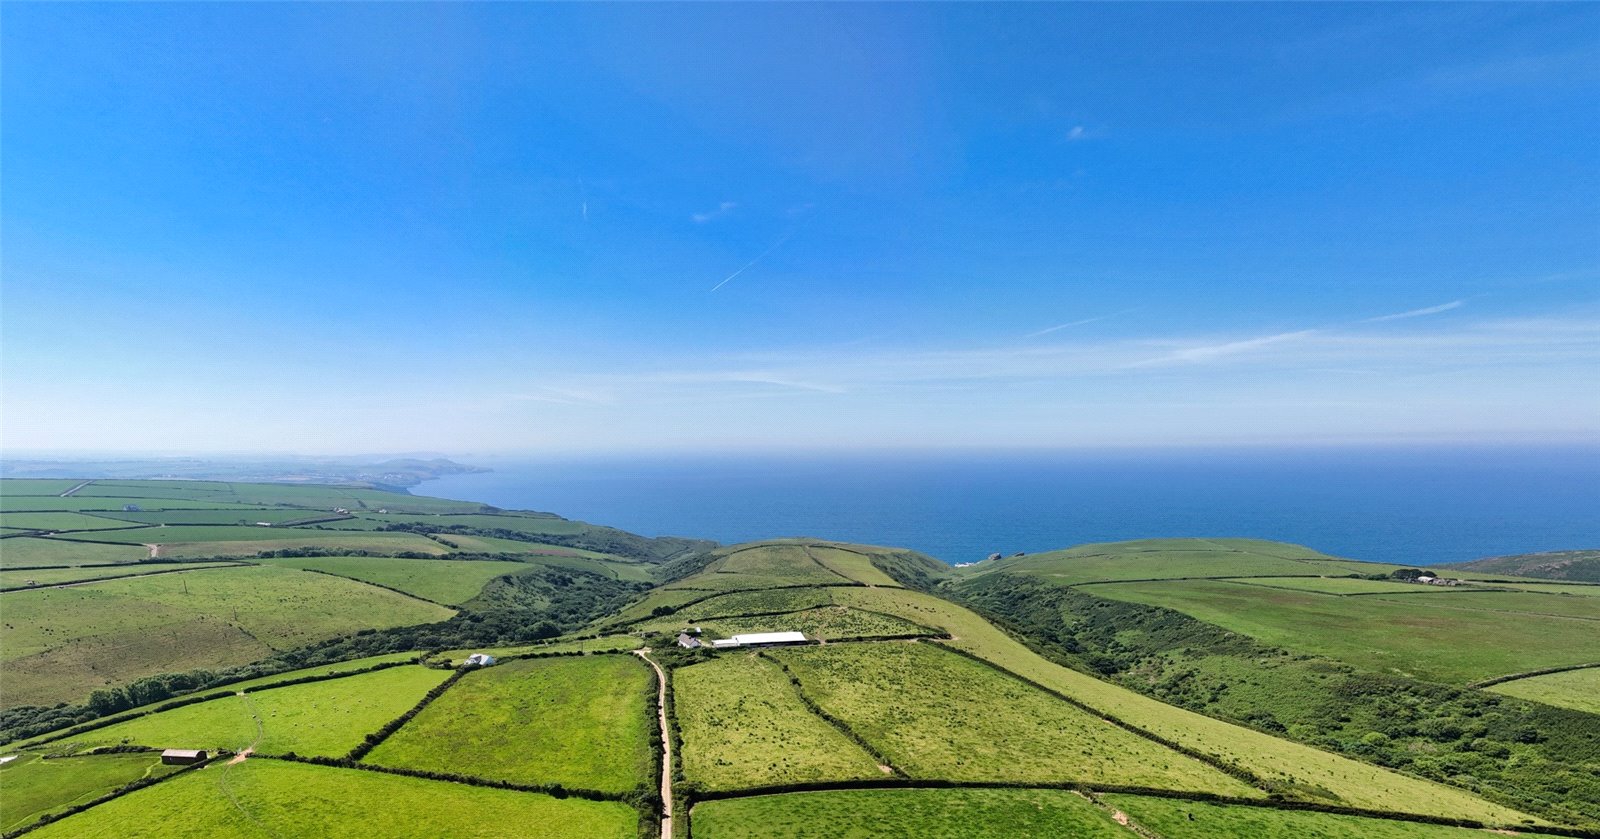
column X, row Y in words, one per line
column 1575, row 689
column 762, row 566
column 36, row 486
column 294, row 799
column 1171, row 817
column 853, row 565
column 580, row 722
column 386, row 544
column 235, row 516
column 26, row 551
column 324, row 719
column 654, row 599
column 59, row 521
column 537, row 525
column 33, row 785
column 743, row 725
column 449, row 581
column 605, row 643
column 1520, row 603
column 921, row 813
column 1177, row 558
column 100, row 503
column 1300, row 771
column 59, row 644
column 1574, row 589
column 55, row 576
column 758, row 602
column 1412, row 636
column 935, row 714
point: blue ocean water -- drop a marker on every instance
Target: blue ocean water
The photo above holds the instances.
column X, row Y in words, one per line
column 1405, row 505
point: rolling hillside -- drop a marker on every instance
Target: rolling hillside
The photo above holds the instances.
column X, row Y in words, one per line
column 1577, row 566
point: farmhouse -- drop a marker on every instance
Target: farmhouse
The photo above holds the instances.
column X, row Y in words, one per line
column 688, row 641
column 182, row 757
column 760, row 639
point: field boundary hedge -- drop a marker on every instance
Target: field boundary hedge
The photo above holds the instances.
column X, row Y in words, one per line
column 132, row 786
column 380, row 585
column 552, row 790
column 850, row 733
column 1152, row 792
column 87, row 580
column 377, row 737
column 711, row 593
column 1500, row 680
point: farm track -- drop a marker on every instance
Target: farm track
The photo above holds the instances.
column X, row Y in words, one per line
column 666, row 742
column 69, row 493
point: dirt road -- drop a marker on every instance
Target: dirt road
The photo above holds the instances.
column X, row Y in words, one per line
column 666, row 743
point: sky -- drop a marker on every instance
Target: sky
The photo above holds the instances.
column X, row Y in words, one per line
column 522, row 228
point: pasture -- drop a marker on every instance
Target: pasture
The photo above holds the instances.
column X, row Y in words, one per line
column 59, row 644
column 295, row 799
column 35, row 785
column 922, row 813
column 63, row 521
column 762, row 566
column 582, row 722
column 245, row 516
column 1296, row 770
column 828, row 623
column 1344, row 585
column 536, row 525
column 322, row 719
column 758, row 603
column 1450, row 638
column 603, row 644
column 29, row 552
column 448, row 581
column 36, row 486
column 743, row 725
column 1165, row 559
column 57, row 576
column 935, row 714
column 852, row 564
column 1173, row 817
column 1575, row 689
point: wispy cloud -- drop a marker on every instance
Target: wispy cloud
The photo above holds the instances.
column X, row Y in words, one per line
column 722, row 209
column 1417, row 313
column 1212, row 352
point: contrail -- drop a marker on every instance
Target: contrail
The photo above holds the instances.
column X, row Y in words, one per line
column 583, row 199
column 1417, row 313
column 1083, row 322
column 775, row 246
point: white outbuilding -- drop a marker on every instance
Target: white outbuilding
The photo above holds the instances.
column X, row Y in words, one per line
column 760, row 639
column 478, row 660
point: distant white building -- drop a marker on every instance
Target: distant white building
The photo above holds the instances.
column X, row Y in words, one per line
column 688, row 641
column 478, row 660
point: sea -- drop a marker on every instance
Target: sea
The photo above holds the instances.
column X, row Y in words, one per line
column 1407, row 505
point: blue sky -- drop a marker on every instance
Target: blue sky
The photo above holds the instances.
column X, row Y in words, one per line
column 508, row 228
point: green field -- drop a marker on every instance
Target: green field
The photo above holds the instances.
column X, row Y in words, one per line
column 59, row 644
column 293, row 799
column 1410, row 635
column 605, row 643
column 1166, row 559
column 1574, row 589
column 448, row 581
column 236, row 516
column 324, row 719
column 55, row 576
column 581, row 722
column 757, row 603
column 1173, row 817
column 537, row 525
column 60, row 521
column 36, row 486
column 34, row 785
column 107, row 505
column 1299, row 771
column 743, row 725
column 851, row 564
column 763, row 566
column 1575, row 689
column 27, row 552
column 654, row 599
column 935, row 714
column 921, row 813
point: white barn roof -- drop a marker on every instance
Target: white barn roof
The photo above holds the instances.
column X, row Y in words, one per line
column 771, row 638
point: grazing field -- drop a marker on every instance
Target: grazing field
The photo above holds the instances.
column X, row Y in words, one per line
column 921, row 813
column 758, row 603
column 1173, row 817
column 36, row 486
column 1575, row 689
column 294, row 799
column 605, row 643
column 386, row 544
column 1295, row 770
column 762, row 566
column 1574, row 589
column 236, row 516
column 581, row 722
column 1166, row 559
column 448, row 581
column 537, row 525
column 35, row 785
column 1521, row 603
column 106, row 505
column 851, row 564
column 59, row 644
column 1411, row 635
column 654, row 599
column 935, row 714
column 743, row 725
column 60, row 521
column 322, row 719
column 829, row 623
column 27, row 551
column 1345, row 585
column 57, row 576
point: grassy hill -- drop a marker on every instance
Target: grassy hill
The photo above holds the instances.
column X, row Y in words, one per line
column 1183, row 688
column 1577, row 566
